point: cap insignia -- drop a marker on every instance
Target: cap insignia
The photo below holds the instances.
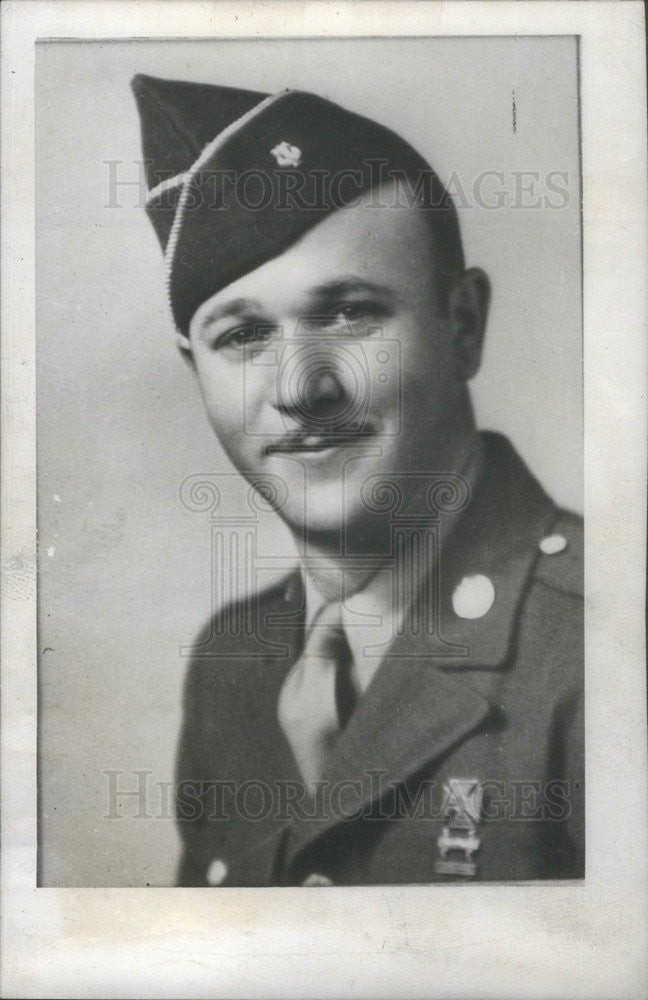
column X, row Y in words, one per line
column 287, row 155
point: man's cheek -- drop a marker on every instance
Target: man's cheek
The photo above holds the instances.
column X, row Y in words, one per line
column 228, row 424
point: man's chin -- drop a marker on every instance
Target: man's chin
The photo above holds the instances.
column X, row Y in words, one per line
column 343, row 528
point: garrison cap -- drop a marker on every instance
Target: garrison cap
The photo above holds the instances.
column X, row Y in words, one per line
column 235, row 177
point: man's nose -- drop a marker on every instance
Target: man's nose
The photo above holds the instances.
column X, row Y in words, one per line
column 310, row 385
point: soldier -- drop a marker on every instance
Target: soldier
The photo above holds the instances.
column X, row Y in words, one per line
column 405, row 707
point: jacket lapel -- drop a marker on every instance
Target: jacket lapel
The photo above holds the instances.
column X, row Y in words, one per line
column 410, row 715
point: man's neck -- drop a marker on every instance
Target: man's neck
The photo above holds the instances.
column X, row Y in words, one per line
column 337, row 570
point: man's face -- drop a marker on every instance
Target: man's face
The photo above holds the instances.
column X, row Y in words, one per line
column 332, row 365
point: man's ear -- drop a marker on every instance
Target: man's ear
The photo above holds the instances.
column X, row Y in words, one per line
column 468, row 307
column 184, row 346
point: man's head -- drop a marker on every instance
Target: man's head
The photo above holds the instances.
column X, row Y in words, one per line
column 341, row 360
column 332, row 346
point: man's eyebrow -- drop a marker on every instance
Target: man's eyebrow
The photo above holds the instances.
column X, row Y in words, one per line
column 318, row 294
column 351, row 283
column 233, row 307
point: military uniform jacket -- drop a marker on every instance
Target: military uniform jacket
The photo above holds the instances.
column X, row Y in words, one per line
column 452, row 767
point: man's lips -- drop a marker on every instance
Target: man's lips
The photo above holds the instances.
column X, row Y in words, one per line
column 299, row 441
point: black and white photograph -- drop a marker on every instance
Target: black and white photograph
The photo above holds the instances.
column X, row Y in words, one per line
column 387, row 684
column 316, row 448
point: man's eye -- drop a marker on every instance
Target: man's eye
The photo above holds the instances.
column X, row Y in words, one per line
column 354, row 311
column 353, row 314
column 250, row 335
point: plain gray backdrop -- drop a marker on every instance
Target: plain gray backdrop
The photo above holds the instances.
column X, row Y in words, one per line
column 124, row 570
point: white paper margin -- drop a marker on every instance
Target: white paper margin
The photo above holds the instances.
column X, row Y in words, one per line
column 563, row 941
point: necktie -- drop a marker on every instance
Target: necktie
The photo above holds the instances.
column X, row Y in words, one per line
column 318, row 695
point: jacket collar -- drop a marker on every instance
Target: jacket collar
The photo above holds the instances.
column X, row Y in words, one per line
column 497, row 538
